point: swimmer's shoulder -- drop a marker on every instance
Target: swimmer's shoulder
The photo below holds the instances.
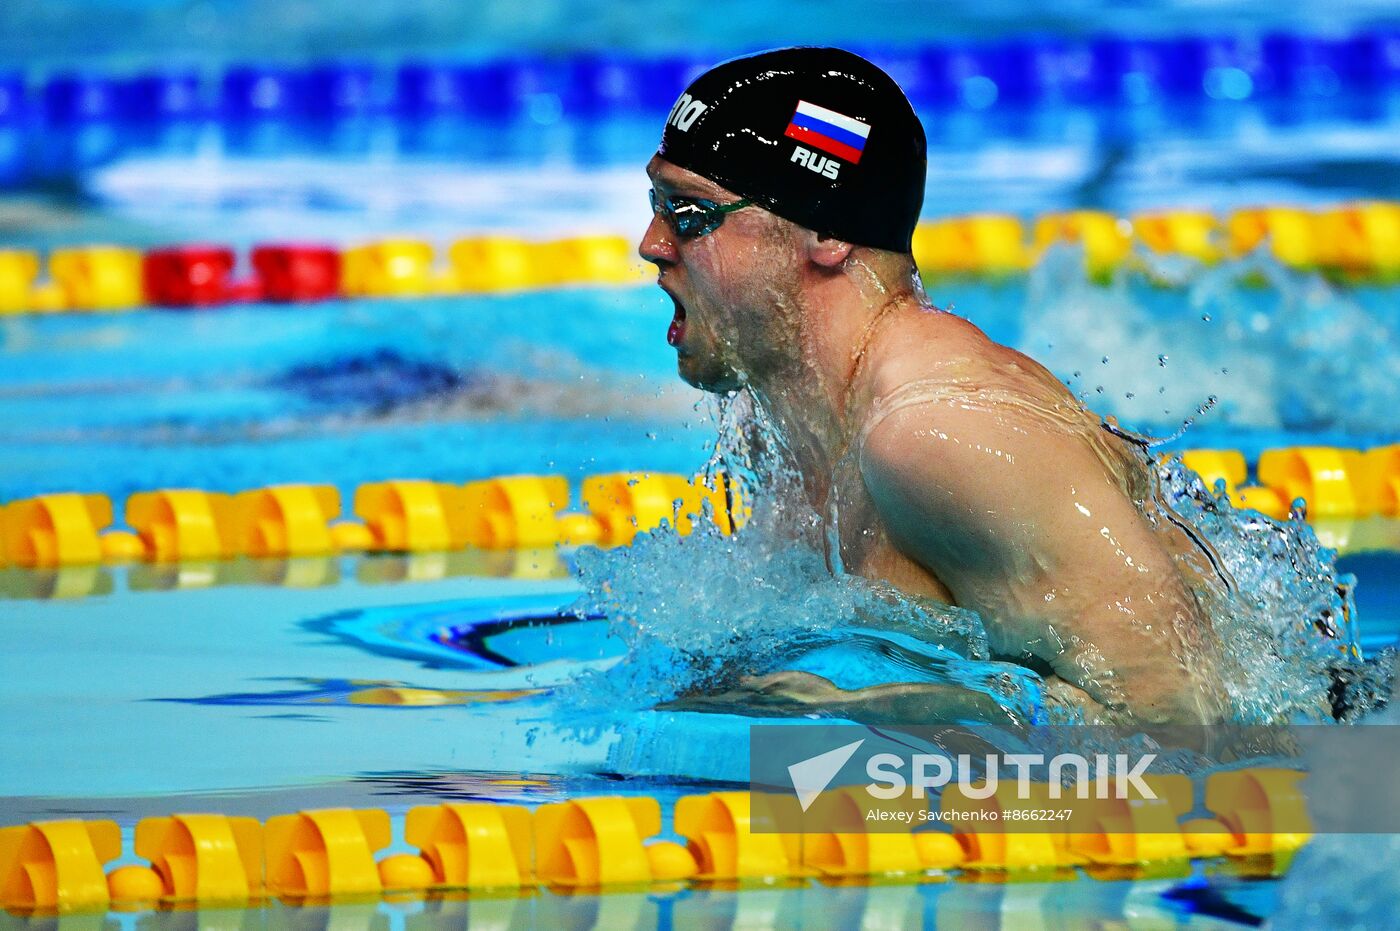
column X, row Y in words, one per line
column 935, row 365
column 959, row 339
column 932, row 347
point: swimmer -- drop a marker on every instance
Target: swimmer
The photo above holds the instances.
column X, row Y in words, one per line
column 785, row 192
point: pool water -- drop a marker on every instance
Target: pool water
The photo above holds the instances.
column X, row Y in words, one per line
column 261, row 687
column 283, row 681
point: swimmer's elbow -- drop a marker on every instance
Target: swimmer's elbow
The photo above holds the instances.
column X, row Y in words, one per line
column 1189, row 702
column 1182, row 703
column 1183, row 709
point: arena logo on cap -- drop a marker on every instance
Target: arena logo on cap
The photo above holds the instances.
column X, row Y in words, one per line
column 831, row 132
column 686, row 112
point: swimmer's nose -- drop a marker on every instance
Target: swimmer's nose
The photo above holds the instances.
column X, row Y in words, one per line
column 658, row 243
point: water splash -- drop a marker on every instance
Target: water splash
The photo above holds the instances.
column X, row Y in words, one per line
column 1285, row 619
column 1281, row 349
column 700, row 613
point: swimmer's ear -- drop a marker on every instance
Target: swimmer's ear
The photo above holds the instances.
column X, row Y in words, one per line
column 827, row 251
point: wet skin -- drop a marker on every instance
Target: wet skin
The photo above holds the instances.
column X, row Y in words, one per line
column 953, row 468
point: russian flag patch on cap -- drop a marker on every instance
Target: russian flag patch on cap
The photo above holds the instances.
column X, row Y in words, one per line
column 834, row 133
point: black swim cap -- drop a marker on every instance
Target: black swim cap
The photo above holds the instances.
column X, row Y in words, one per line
column 819, row 136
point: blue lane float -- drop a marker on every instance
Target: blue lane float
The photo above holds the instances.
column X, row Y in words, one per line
column 68, row 122
column 12, row 129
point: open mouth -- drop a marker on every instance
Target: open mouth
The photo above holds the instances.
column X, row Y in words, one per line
column 676, row 333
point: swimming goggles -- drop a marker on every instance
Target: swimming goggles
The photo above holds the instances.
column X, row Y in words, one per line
column 692, row 217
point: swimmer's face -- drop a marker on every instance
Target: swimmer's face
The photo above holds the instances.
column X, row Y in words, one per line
column 731, row 287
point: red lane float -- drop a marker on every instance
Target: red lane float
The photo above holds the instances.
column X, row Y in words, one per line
column 188, row 276
column 297, row 273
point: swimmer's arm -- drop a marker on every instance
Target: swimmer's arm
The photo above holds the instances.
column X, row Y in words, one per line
column 1021, row 521
column 801, row 694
